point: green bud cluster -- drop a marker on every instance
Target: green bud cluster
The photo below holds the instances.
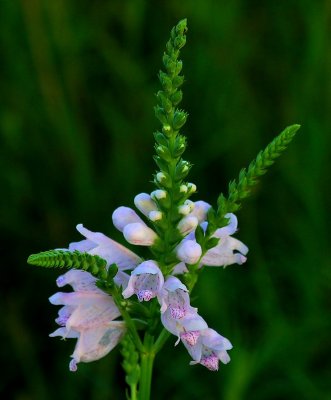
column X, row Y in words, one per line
column 130, row 362
column 67, row 259
column 169, row 147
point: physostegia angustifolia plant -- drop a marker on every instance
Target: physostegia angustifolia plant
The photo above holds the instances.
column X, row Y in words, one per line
column 119, row 297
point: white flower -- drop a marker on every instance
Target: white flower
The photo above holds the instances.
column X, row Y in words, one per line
column 207, row 347
column 187, row 224
column 139, row 234
column 145, row 204
column 177, row 315
column 145, row 281
column 123, row 216
column 87, row 315
column 223, row 254
column 97, row 243
column 133, row 227
column 180, row 268
column 188, row 251
column 200, row 210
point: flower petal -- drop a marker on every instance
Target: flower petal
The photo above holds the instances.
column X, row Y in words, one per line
column 123, row 216
column 139, row 234
column 230, row 229
column 146, row 281
column 94, row 344
column 145, row 204
column 187, row 224
column 111, row 251
column 189, row 251
column 200, row 210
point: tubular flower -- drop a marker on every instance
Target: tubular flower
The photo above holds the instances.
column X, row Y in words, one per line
column 145, row 204
column 177, row 315
column 87, row 315
column 189, row 251
column 133, row 227
column 223, row 254
column 146, row 281
column 97, row 243
column 187, row 224
column 200, row 210
column 207, row 347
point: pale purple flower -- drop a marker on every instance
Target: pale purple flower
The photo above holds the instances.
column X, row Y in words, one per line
column 145, row 204
column 180, row 268
column 177, row 315
column 189, row 251
column 229, row 250
column 123, row 216
column 187, row 224
column 200, row 210
column 146, row 281
column 97, row 243
column 88, row 315
column 207, row 347
column 139, row 234
column 133, row 227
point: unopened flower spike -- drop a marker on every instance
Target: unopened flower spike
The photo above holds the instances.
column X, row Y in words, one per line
column 140, row 297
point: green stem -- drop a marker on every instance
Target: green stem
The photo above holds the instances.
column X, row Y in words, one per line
column 133, row 389
column 126, row 317
column 146, row 369
column 160, row 341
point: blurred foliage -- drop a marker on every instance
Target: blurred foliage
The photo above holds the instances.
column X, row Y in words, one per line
column 78, row 81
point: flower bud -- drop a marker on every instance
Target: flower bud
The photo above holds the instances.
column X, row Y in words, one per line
column 179, row 119
column 177, row 97
column 163, row 152
column 162, row 199
column 189, row 251
column 139, row 234
column 184, row 209
column 177, row 81
column 200, row 210
column 166, row 129
column 183, row 189
column 190, row 204
column 179, row 66
column 144, row 203
column 159, row 194
column 180, row 42
column 155, row 216
column 164, row 179
column 123, row 216
column 191, row 187
column 160, row 138
column 181, row 27
column 160, row 176
column 165, row 81
column 187, row 224
column 161, row 114
column 180, row 146
column 169, row 64
column 182, row 170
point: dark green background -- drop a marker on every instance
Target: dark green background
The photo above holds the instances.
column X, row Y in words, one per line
column 77, row 85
